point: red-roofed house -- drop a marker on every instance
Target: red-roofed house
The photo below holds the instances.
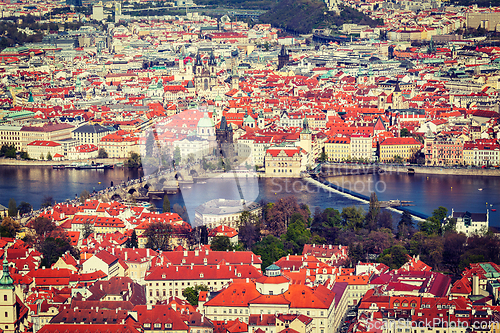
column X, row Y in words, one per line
column 103, row 261
column 284, row 161
column 223, row 230
column 44, row 149
column 404, row 148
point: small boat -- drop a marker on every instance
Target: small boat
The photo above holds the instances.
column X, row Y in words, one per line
column 93, row 166
column 59, row 166
column 494, row 210
column 479, row 189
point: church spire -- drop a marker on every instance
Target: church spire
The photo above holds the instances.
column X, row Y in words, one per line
column 6, row 282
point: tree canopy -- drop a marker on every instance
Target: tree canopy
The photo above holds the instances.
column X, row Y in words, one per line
column 158, row 236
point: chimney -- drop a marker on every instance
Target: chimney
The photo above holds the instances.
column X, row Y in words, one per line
column 185, row 253
column 126, row 255
column 475, row 284
column 147, row 253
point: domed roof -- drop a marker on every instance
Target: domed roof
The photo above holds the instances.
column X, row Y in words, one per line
column 206, row 121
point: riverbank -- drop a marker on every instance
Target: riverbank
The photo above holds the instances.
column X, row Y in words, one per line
column 342, row 169
column 442, row 171
column 14, row 162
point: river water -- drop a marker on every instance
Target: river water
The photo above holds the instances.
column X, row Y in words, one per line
column 427, row 192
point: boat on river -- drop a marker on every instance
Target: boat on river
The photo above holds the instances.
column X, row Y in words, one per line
column 94, row 166
column 59, row 166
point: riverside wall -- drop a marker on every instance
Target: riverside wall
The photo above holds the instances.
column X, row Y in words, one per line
column 402, row 169
column 443, row 171
column 14, row 162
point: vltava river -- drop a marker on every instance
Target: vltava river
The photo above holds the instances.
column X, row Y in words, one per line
column 32, row 184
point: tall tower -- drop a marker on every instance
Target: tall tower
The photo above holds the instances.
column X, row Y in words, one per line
column 397, row 97
column 260, row 120
column 8, row 313
column 283, row 57
column 306, row 137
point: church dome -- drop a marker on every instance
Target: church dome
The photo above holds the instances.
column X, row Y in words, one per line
column 206, row 121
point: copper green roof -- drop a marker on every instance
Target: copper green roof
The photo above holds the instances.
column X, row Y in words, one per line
column 6, row 281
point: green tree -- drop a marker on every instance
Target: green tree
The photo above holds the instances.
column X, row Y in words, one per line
column 356, row 253
column 42, row 157
column 24, row 208
column 132, row 241
column 134, row 161
column 279, row 214
column 49, row 156
column 394, row 257
column 405, row 225
column 326, row 224
column 404, row 133
column 85, row 195
column 52, row 248
column 192, row 293
column 270, row 249
column 11, row 226
column 246, row 217
column 177, row 156
column 24, row 155
column 87, row 229
column 249, row 234
column 385, row 220
column 221, row 243
column 43, row 226
column 397, row 159
column 158, row 236
column 51, row 241
column 297, row 234
column 102, row 153
column 433, row 224
column 12, row 207
column 371, row 217
column 323, row 157
column 353, row 217
column 8, row 151
column 429, row 248
column 166, row 204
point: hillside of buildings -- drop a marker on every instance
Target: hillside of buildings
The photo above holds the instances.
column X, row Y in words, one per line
column 302, row 16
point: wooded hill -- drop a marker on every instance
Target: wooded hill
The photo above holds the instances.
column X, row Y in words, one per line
column 302, row 16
